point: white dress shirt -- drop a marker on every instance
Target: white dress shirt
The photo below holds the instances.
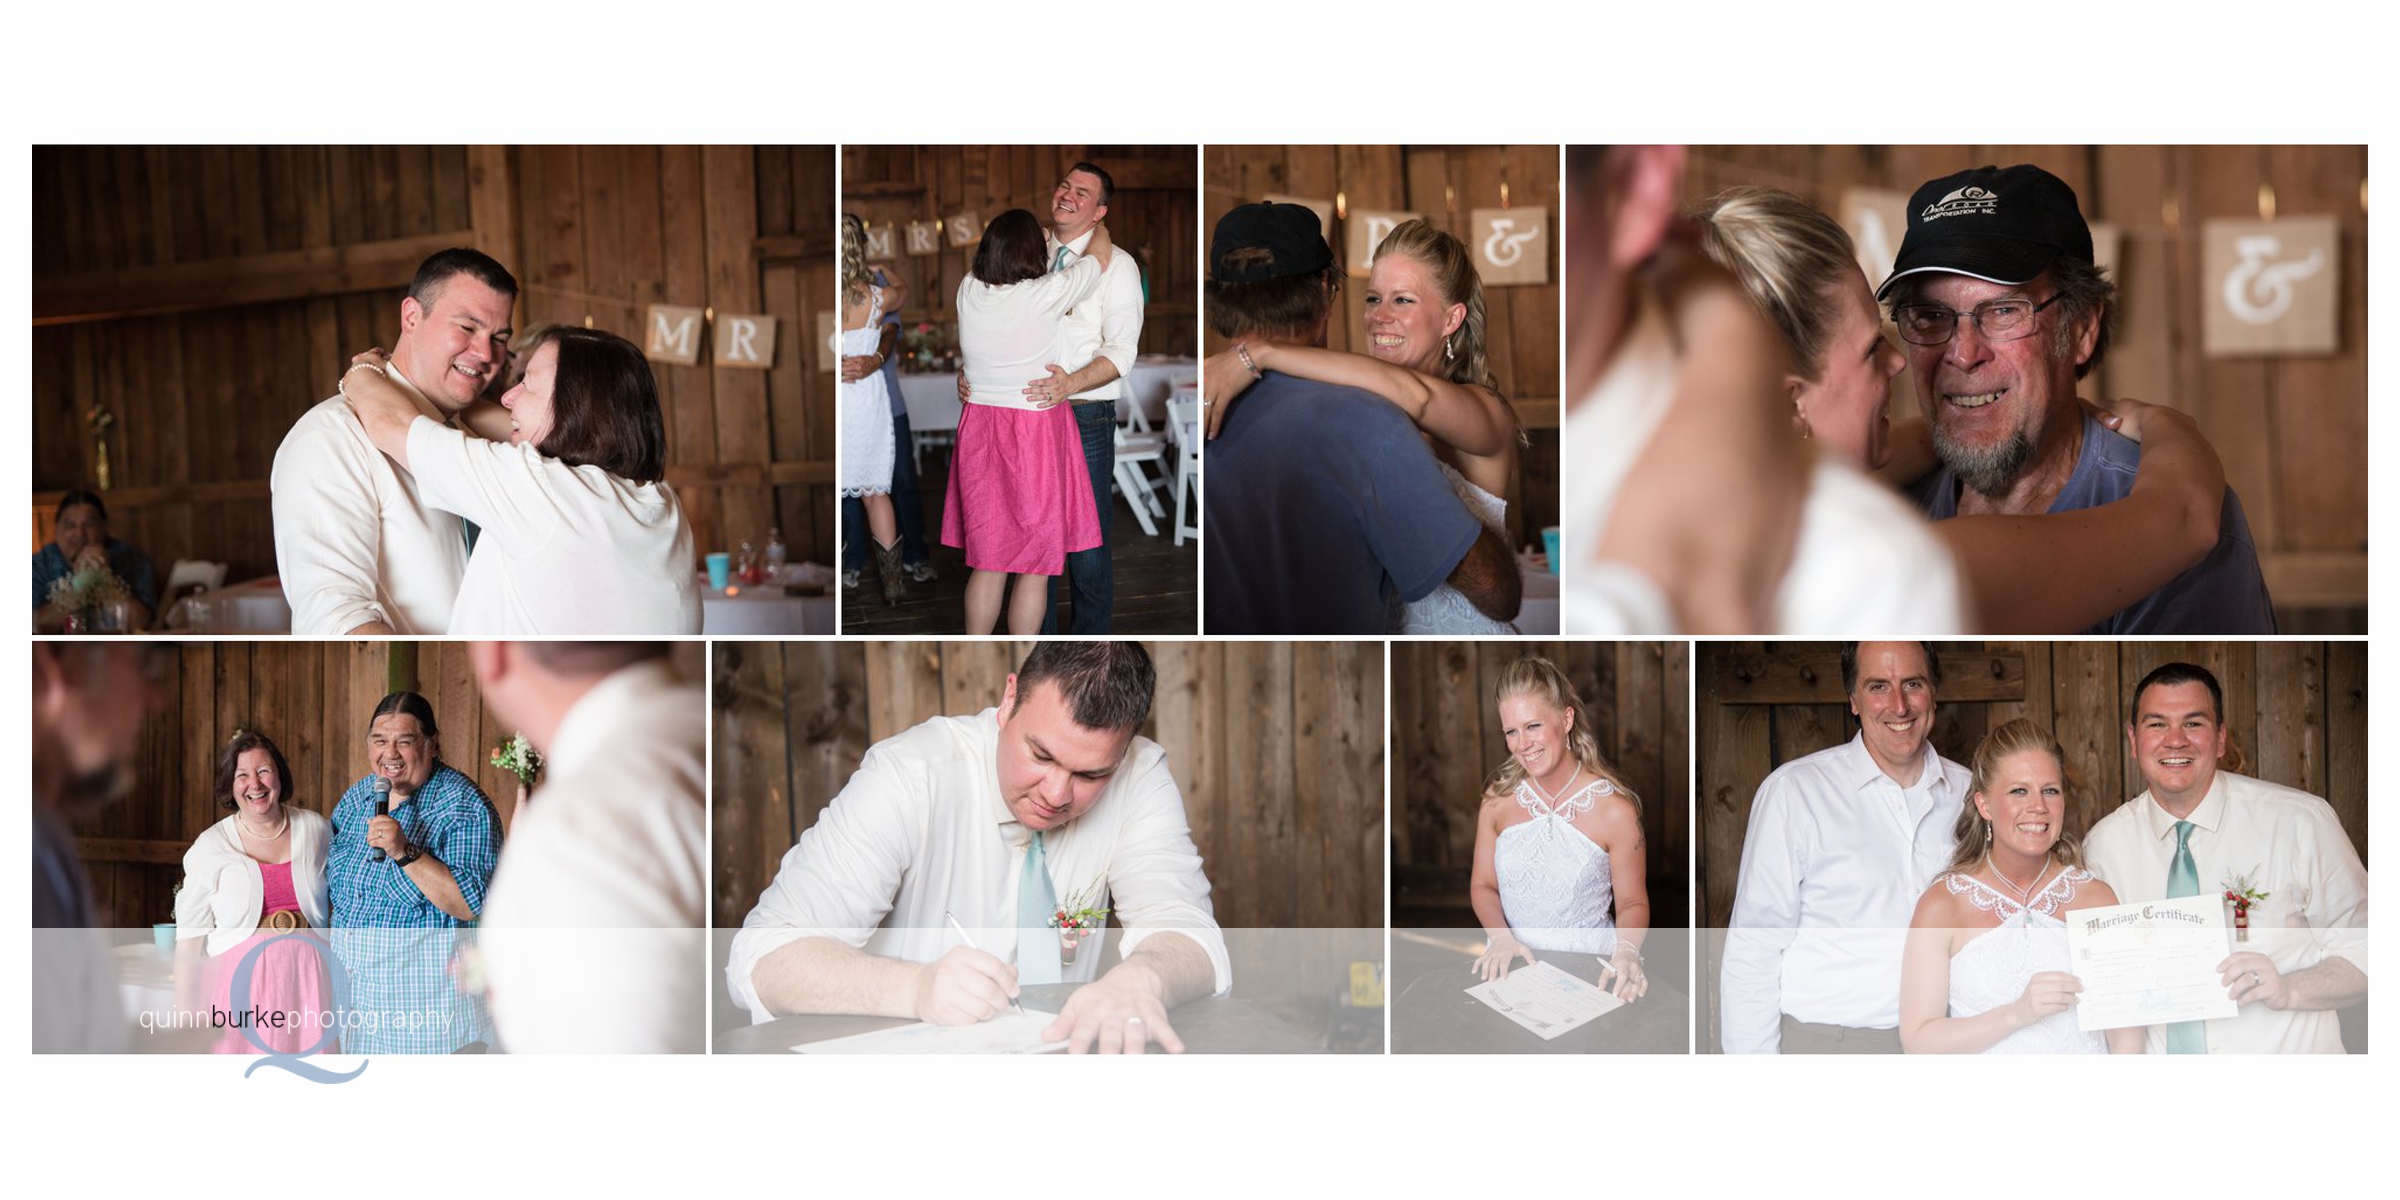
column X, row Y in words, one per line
column 2289, row 845
column 354, row 542
column 592, row 935
column 1866, row 562
column 224, row 895
column 1107, row 325
column 563, row 550
column 922, row 830
column 1832, row 865
column 1008, row 336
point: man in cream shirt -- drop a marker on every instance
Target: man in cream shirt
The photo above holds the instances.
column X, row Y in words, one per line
column 998, row 819
column 2201, row 831
column 358, row 550
column 592, row 935
column 1100, row 339
column 1840, row 845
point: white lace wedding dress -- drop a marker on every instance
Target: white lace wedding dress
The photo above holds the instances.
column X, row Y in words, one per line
column 1993, row 969
column 1554, row 881
column 1444, row 610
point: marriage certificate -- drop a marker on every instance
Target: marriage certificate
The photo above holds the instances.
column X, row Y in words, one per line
column 1546, row 1000
column 2149, row 963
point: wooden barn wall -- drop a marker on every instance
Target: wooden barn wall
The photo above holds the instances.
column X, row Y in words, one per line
column 315, row 700
column 2295, row 713
column 208, row 295
column 1150, row 215
column 1278, row 749
column 1446, row 742
column 2292, row 431
column 1446, row 183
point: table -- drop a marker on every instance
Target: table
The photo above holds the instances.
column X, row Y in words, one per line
column 251, row 606
column 1154, row 377
column 1435, row 1015
column 763, row 608
column 931, row 397
column 1209, row 1025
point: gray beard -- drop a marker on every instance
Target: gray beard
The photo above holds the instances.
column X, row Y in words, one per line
column 1991, row 472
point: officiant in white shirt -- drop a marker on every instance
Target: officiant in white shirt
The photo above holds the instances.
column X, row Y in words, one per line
column 592, row 932
column 1050, row 802
column 357, row 548
column 1840, row 845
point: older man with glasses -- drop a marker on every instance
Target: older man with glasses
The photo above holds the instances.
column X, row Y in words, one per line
column 2003, row 309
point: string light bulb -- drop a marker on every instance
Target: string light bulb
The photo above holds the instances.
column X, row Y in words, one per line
column 1341, row 205
column 1504, row 191
column 2266, row 201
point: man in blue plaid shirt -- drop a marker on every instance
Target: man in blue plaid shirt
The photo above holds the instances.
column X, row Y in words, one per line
column 396, row 921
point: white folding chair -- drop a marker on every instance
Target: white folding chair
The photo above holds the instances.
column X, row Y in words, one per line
column 1183, row 416
column 1134, row 449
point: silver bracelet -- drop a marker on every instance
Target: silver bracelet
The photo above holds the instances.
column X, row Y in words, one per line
column 1242, row 352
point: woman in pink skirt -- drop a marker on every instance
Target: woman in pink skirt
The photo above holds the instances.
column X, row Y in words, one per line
column 1020, row 497
column 254, row 877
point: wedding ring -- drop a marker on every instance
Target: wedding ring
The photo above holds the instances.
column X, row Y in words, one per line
column 2254, row 977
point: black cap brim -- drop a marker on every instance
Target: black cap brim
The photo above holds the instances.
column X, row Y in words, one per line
column 1989, row 257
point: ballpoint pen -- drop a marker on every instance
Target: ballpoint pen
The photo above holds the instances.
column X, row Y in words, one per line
column 969, row 939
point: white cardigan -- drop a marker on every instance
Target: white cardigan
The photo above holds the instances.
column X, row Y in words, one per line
column 223, row 890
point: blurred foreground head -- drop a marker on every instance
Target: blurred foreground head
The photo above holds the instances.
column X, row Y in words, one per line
column 89, row 702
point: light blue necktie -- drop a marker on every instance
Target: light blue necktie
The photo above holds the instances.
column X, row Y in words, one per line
column 2183, row 879
column 1037, row 902
column 1060, row 263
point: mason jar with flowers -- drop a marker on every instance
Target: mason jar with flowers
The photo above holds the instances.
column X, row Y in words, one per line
column 1077, row 919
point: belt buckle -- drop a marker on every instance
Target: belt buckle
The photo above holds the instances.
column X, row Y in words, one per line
column 284, row 920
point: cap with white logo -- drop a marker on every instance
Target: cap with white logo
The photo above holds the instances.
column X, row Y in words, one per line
column 1998, row 224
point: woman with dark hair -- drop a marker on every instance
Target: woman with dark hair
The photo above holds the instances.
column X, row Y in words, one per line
column 1020, row 497
column 80, row 544
column 252, row 878
column 574, row 527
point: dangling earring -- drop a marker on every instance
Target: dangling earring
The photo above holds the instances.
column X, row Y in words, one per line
column 1449, row 351
column 1987, row 833
column 1801, row 417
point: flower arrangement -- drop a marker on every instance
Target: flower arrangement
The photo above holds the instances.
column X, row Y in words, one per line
column 518, row 757
column 1078, row 918
column 926, row 346
column 2241, row 896
column 81, row 591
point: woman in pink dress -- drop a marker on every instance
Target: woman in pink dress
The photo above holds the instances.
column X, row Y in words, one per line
column 1020, row 496
column 252, row 878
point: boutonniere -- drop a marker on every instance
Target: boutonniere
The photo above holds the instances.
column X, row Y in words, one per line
column 518, row 757
column 1079, row 916
column 2240, row 895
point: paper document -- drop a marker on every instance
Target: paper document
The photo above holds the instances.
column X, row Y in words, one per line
column 1007, row 1033
column 2149, row 963
column 1546, row 1000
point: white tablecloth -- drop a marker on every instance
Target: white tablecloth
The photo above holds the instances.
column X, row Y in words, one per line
column 932, row 401
column 762, row 609
column 252, row 606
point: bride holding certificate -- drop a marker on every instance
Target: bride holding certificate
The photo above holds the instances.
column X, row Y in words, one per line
column 1985, row 970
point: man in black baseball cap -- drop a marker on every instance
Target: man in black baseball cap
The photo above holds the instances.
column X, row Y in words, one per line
column 1997, row 296
column 1324, row 508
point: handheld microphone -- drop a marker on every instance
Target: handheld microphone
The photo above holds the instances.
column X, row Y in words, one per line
column 382, row 788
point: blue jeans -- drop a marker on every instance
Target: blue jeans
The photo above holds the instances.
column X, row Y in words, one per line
column 1089, row 577
column 905, row 506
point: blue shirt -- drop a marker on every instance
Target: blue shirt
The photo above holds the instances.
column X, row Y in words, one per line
column 132, row 566
column 395, row 945
column 2225, row 594
column 1323, row 506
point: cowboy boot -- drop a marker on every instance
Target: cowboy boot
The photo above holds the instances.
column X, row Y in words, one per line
column 887, row 564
